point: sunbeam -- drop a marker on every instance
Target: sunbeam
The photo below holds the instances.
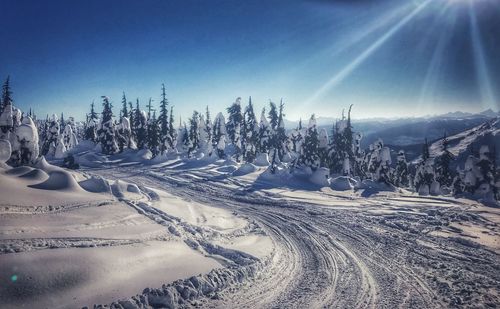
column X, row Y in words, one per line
column 347, row 70
column 427, row 93
column 482, row 74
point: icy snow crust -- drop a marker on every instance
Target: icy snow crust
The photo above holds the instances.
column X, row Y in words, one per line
column 264, row 240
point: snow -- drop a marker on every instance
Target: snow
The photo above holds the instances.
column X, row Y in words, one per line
column 245, row 169
column 342, row 183
column 321, row 177
column 5, row 150
column 262, row 159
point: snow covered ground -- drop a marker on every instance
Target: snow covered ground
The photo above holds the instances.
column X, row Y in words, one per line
column 188, row 233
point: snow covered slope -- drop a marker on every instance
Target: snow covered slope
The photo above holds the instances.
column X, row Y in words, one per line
column 460, row 144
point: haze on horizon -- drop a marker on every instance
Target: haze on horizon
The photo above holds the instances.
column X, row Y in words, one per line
column 389, row 58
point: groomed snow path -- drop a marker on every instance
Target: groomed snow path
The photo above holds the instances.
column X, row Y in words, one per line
column 343, row 257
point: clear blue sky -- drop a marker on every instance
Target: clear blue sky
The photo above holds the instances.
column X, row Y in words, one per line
column 388, row 57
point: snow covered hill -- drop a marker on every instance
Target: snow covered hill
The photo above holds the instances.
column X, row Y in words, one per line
column 460, row 145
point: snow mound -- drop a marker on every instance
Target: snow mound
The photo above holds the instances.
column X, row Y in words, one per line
column 144, row 154
column 19, row 170
column 374, row 186
column 5, row 150
column 321, row 177
column 120, row 188
column 35, row 174
column 342, row 183
column 42, row 164
column 245, row 169
column 58, row 180
column 90, row 160
column 95, row 184
column 262, row 159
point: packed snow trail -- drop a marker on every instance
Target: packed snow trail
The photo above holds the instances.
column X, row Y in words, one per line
column 337, row 257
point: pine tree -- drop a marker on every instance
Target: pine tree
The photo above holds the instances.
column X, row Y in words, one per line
column 425, row 151
column 194, row 133
column 273, row 116
column 91, row 124
column 173, row 133
column 140, row 127
column 251, row 133
column 233, row 126
column 63, row 123
column 208, row 126
column 280, row 137
column 310, row 154
column 107, row 131
column 444, row 174
column 401, row 174
column 264, row 133
column 163, row 121
column 153, row 138
column 6, row 95
column 124, row 111
column 219, row 135
column 52, row 137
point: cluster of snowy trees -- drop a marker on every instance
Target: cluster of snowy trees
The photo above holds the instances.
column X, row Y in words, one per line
column 246, row 139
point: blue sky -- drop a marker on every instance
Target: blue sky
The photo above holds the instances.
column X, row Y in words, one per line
column 387, row 57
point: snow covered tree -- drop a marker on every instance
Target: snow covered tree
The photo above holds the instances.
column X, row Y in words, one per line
column 280, row 138
column 124, row 111
column 264, row 133
column 7, row 120
column 219, row 135
column 233, row 127
column 208, row 125
column 52, row 137
column 69, row 136
column 106, row 131
column 26, row 143
column 297, row 137
column 124, row 135
column 6, row 98
column 401, row 175
column 379, row 161
column 140, row 127
column 273, row 116
column 62, row 123
column 163, row 121
column 171, row 130
column 444, row 174
column 425, row 151
column 91, row 125
column 194, row 133
column 323, row 147
column 153, row 137
column 251, row 133
column 310, row 151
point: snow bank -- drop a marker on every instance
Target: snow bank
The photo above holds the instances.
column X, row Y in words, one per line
column 42, row 164
column 245, row 169
column 321, row 177
column 262, row 159
column 35, row 175
column 59, row 180
column 342, row 183
column 5, row 150
column 96, row 184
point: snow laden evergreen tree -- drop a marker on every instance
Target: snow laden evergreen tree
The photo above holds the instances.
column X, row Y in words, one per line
column 124, row 111
column 205, row 144
column 264, row 134
column 233, row 127
column 69, row 137
column 62, row 123
column 208, row 125
column 251, row 133
column 6, row 98
column 172, row 140
column 26, row 145
column 323, row 148
column 163, row 122
column 273, row 117
column 379, row 162
column 194, row 133
column 106, row 131
column 219, row 135
column 401, row 174
column 280, row 137
column 153, row 137
column 7, row 120
column 140, row 127
column 124, row 135
column 425, row 176
column 486, row 176
column 310, row 150
column 444, row 174
column 52, row 137
column 91, row 125
column 344, row 151
column 297, row 138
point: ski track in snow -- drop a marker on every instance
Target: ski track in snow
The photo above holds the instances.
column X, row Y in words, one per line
column 327, row 257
